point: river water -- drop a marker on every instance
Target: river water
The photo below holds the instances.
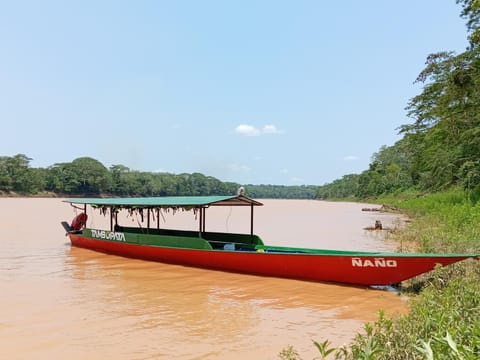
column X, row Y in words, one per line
column 59, row 302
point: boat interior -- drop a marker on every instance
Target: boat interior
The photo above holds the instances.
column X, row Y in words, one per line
column 212, row 240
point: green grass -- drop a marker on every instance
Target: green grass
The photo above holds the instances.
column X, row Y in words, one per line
column 444, row 317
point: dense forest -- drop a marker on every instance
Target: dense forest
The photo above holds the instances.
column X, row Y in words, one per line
column 440, row 148
column 88, row 176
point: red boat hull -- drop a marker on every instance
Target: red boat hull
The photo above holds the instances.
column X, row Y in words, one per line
column 358, row 270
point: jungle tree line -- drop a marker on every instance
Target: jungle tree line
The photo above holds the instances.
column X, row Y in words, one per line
column 441, row 147
column 88, row 176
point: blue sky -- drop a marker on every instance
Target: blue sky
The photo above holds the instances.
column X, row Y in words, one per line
column 263, row 92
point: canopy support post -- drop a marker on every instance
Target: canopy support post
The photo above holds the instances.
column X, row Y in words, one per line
column 111, row 219
column 148, row 219
column 158, row 218
column 203, row 221
column 200, row 222
column 251, row 219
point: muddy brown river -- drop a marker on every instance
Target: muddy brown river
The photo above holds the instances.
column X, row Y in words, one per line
column 61, row 302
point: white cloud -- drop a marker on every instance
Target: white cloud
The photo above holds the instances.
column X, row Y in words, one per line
column 247, row 130
column 270, row 129
column 250, row 130
column 350, row 158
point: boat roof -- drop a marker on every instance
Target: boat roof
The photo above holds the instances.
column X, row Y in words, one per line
column 168, row 201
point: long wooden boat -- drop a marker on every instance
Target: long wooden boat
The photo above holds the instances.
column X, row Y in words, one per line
column 244, row 253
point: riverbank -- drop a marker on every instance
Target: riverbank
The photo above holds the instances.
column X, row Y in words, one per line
column 11, row 194
column 443, row 321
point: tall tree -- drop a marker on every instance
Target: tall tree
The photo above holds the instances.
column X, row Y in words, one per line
column 16, row 175
column 471, row 12
column 447, row 112
column 120, row 184
column 82, row 176
column 93, row 177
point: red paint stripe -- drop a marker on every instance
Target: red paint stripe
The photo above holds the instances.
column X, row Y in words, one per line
column 324, row 268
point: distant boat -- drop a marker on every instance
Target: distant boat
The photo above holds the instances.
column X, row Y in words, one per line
column 242, row 253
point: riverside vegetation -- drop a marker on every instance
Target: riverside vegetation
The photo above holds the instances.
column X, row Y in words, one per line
column 444, row 317
column 88, row 176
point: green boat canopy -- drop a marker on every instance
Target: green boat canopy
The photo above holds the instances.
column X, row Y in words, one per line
column 167, row 201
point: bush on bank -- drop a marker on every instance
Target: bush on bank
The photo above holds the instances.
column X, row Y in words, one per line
column 443, row 322
column 444, row 317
